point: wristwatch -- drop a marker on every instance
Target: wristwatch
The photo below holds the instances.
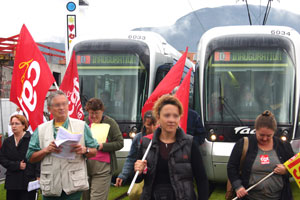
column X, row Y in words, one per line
column 87, row 151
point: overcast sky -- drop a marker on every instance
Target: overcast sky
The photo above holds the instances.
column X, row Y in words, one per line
column 46, row 19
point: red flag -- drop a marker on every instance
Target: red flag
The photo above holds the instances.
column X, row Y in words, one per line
column 70, row 86
column 31, row 79
column 183, row 95
column 170, row 81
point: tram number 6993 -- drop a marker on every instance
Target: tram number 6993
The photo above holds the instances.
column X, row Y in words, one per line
column 137, row 37
column 279, row 32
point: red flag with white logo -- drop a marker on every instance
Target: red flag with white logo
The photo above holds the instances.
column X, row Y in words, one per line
column 183, row 94
column 31, row 79
column 70, row 86
column 170, row 81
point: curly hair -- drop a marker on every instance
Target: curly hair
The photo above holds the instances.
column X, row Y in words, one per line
column 165, row 100
column 94, row 104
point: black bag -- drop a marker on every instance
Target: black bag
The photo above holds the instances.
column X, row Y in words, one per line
column 163, row 192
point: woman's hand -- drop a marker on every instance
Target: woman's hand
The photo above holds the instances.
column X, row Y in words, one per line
column 140, row 165
column 22, row 165
column 280, row 169
column 241, row 192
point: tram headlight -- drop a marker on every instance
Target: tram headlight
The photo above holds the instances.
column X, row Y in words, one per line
column 133, row 132
column 213, row 136
column 284, row 135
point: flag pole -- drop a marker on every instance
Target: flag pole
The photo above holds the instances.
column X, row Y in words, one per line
column 137, row 172
column 56, row 85
column 253, row 186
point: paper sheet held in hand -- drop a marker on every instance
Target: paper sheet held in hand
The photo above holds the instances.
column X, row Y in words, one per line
column 64, row 140
column 100, row 131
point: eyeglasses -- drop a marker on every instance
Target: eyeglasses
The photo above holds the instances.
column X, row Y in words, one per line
column 94, row 112
column 58, row 105
column 15, row 124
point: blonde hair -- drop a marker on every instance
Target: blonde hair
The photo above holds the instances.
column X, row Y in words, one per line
column 22, row 119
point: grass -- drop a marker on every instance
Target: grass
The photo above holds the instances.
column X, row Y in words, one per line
column 219, row 192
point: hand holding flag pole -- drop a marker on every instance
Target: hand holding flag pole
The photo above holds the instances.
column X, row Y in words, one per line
column 292, row 165
column 137, row 172
column 253, row 186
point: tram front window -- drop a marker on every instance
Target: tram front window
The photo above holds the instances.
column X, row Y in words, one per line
column 120, row 83
column 240, row 84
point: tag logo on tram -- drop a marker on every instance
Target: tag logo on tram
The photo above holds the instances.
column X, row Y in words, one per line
column 244, row 130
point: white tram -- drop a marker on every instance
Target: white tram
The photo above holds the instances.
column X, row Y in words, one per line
column 242, row 71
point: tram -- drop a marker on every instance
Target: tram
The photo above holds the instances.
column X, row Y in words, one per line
column 242, row 71
column 122, row 71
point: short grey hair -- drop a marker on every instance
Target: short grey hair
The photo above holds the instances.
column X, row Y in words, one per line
column 54, row 94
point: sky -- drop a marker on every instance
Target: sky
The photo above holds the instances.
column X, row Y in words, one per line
column 46, row 19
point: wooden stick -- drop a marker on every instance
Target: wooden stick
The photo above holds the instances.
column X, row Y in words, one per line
column 137, row 172
column 253, row 186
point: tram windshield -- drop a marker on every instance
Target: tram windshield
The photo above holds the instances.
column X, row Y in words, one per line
column 118, row 79
column 242, row 83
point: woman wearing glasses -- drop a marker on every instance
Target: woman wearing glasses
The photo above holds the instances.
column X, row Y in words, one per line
column 12, row 156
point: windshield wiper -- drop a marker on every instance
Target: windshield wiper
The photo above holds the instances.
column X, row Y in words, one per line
column 224, row 104
column 230, row 111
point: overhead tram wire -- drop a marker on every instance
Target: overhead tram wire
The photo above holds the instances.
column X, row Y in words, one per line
column 267, row 12
column 196, row 16
column 248, row 12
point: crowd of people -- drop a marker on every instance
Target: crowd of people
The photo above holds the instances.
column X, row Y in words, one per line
column 173, row 168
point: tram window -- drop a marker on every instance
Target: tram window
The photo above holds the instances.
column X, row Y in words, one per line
column 120, row 79
column 161, row 73
column 268, row 83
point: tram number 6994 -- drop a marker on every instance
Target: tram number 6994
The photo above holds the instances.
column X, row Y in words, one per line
column 279, row 32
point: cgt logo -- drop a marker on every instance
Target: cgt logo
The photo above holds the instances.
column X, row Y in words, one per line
column 244, row 130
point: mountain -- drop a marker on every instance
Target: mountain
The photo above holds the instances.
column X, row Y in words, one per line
column 188, row 29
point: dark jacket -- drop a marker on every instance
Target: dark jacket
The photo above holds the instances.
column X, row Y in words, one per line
column 284, row 152
column 114, row 140
column 184, row 164
column 195, row 127
column 10, row 158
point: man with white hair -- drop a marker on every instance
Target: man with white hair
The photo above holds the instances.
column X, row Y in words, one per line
column 61, row 178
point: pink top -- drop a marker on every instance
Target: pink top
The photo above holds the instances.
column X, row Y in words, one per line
column 102, row 157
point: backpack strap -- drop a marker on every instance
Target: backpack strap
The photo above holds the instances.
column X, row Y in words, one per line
column 245, row 149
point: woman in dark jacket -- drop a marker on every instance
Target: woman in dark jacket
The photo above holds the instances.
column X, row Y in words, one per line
column 265, row 154
column 174, row 160
column 12, row 156
column 148, row 127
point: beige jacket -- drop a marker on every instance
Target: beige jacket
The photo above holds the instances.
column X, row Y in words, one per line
column 59, row 174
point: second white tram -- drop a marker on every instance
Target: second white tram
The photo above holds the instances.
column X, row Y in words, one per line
column 242, row 71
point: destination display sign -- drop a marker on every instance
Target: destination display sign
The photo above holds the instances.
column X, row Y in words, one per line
column 107, row 60
column 246, row 56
